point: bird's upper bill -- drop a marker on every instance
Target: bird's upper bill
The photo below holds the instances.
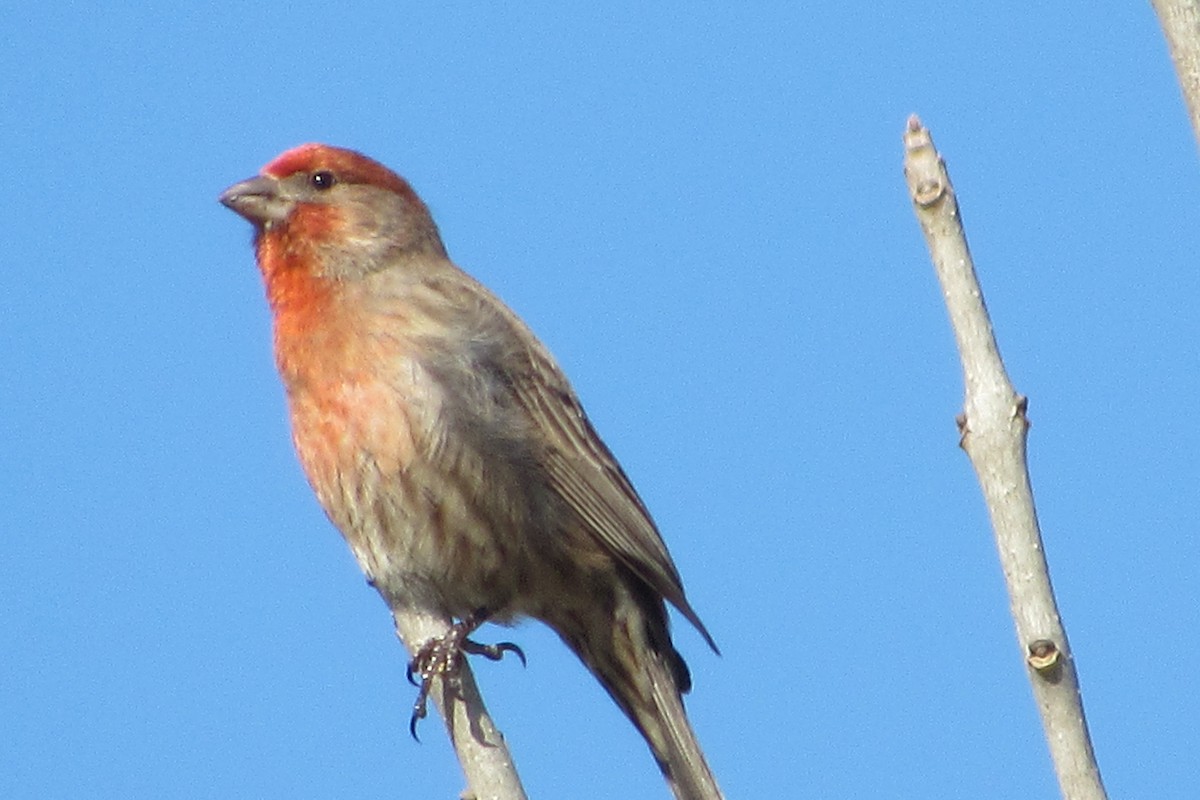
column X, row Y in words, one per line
column 258, row 199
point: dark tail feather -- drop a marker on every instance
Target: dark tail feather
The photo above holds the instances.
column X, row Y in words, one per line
column 664, row 724
column 646, row 677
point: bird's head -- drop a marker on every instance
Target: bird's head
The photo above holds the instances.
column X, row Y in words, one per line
column 339, row 213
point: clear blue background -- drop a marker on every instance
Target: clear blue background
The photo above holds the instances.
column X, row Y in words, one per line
column 701, row 210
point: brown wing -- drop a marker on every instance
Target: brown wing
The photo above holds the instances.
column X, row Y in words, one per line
column 585, row 473
column 578, row 465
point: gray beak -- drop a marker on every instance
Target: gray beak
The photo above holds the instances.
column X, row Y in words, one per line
column 258, row 199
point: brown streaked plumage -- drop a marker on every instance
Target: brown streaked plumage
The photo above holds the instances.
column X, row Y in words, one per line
column 448, row 447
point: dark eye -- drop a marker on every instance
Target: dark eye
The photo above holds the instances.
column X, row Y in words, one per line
column 322, row 180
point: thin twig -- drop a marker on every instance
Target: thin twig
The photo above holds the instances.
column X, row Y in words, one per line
column 1180, row 20
column 481, row 750
column 993, row 426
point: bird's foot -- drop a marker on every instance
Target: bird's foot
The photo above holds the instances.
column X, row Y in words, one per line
column 442, row 655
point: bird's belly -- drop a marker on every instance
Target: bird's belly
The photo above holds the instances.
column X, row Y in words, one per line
column 430, row 522
column 427, row 538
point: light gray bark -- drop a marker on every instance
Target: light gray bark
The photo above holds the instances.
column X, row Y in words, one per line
column 993, row 427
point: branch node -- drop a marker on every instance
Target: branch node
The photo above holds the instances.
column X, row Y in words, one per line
column 929, row 192
column 1046, row 658
column 1021, row 409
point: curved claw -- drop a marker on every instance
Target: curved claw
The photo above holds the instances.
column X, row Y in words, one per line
column 493, row 652
column 418, row 714
column 441, row 656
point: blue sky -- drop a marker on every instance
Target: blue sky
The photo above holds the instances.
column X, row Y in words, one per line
column 700, row 209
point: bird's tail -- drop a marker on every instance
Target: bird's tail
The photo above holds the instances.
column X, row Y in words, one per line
column 647, row 677
column 664, row 724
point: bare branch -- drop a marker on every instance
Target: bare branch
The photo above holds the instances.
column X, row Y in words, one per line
column 1180, row 20
column 993, row 427
column 482, row 752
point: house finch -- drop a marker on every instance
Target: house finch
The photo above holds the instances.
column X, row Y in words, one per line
column 446, row 444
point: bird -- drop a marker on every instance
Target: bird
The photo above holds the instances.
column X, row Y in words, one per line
column 447, row 446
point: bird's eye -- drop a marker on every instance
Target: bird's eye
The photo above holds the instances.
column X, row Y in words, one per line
column 322, row 180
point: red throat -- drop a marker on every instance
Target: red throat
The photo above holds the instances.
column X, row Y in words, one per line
column 340, row 402
column 287, row 260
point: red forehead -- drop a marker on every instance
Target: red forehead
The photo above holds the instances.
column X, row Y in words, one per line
column 347, row 165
